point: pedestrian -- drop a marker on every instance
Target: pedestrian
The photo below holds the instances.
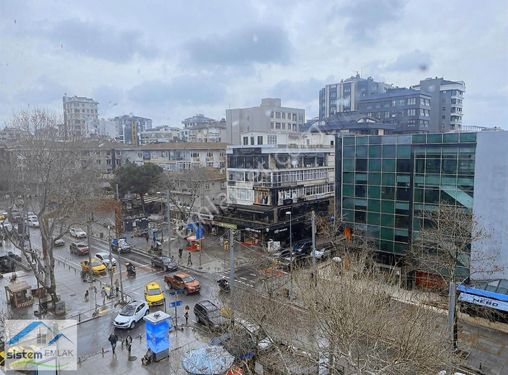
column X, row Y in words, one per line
column 180, row 253
column 128, row 343
column 186, row 316
column 117, row 287
column 146, row 237
column 103, row 294
column 86, row 295
column 113, row 338
column 189, row 259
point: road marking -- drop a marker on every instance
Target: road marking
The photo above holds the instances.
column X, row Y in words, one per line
column 244, row 278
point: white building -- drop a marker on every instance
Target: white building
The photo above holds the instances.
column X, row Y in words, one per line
column 161, row 134
column 80, row 116
column 270, row 115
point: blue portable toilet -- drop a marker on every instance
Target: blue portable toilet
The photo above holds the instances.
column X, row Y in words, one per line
column 157, row 327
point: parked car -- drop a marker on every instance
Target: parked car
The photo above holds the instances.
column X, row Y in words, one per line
column 323, row 253
column 104, row 257
column 120, row 245
column 153, row 294
column 77, row 233
column 96, row 265
column 166, row 263
column 183, row 281
column 58, row 242
column 6, row 225
column 209, row 315
column 33, row 222
column 79, row 248
column 302, row 248
column 131, row 314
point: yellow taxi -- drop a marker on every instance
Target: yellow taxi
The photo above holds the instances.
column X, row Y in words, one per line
column 98, row 267
column 153, row 294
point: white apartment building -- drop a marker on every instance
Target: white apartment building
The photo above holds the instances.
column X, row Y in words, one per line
column 160, row 134
column 270, row 115
column 80, row 117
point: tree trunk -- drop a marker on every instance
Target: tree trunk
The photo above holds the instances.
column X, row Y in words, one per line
column 48, row 261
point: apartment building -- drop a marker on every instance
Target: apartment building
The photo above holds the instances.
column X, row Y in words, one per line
column 80, row 117
column 270, row 186
column 269, row 116
column 446, row 102
column 409, row 110
column 343, row 96
column 129, row 128
column 161, row 134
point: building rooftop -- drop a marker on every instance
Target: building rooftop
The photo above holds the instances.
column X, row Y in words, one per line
column 393, row 93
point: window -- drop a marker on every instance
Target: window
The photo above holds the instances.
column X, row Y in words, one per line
column 252, row 141
column 245, row 141
column 272, row 114
column 260, row 139
column 272, row 125
column 272, row 139
column 277, row 114
column 284, row 115
column 411, row 101
column 411, row 112
column 277, row 125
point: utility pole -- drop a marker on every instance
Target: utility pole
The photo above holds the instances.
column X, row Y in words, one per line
column 88, row 236
column 231, row 267
column 118, row 230
column 110, row 261
column 290, row 253
column 169, row 225
column 314, row 263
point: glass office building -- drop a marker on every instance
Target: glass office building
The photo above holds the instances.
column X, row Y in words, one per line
column 385, row 183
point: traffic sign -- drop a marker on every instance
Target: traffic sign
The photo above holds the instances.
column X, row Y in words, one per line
column 175, row 303
column 176, row 292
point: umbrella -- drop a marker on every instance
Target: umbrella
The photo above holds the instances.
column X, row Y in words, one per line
column 207, row 360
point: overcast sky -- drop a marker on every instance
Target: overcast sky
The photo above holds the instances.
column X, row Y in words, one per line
column 168, row 60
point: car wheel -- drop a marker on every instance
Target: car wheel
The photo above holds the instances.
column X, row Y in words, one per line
column 146, row 312
column 133, row 324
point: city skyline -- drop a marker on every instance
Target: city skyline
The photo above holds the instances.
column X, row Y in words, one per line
column 174, row 63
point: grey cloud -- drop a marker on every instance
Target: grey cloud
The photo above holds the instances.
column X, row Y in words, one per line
column 98, row 40
column 301, row 91
column 182, row 90
column 261, row 44
column 414, row 60
column 42, row 91
column 108, row 97
column 366, row 17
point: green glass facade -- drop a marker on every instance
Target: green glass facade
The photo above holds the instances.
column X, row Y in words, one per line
column 384, row 183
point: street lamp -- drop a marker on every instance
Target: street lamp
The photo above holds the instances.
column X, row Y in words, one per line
column 288, row 213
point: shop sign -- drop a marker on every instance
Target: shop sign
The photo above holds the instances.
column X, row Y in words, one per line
column 280, row 230
column 224, row 225
column 484, row 301
column 252, row 230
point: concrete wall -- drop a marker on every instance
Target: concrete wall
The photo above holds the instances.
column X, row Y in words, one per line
column 490, row 205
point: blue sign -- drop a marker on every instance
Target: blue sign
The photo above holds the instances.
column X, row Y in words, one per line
column 175, row 292
column 175, row 303
column 198, row 229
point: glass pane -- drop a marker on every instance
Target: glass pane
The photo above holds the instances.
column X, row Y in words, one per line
column 467, row 137
column 374, row 192
column 389, row 140
column 348, row 178
column 387, row 220
column 389, row 179
column 361, row 151
column 418, row 195
column 401, row 221
column 419, row 138
column 433, row 165
column 375, row 151
column 374, row 178
column 403, row 166
column 361, row 178
column 387, row 234
column 387, row 207
column 388, row 151
column 349, row 141
column 375, row 165
column 399, row 248
column 388, row 165
column 386, row 246
column 404, row 151
column 348, row 215
column 349, row 151
column 373, row 218
column 375, row 140
column 388, row 192
column 434, row 138
column 348, row 203
column 348, row 165
column 451, row 138
column 360, row 217
column 432, row 196
column 361, row 191
column 361, row 165
column 347, row 190
column 362, row 140
column 403, row 194
column 374, row 205
column 450, row 166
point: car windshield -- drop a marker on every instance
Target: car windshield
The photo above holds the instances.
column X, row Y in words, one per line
column 167, row 259
column 153, row 292
column 128, row 310
column 188, row 279
column 96, row 263
column 81, row 245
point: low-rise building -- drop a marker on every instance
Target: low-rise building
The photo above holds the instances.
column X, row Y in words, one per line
column 161, row 134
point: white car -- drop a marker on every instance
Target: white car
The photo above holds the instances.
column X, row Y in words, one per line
column 323, row 253
column 33, row 222
column 59, row 242
column 131, row 314
column 6, row 225
column 77, row 233
column 104, row 257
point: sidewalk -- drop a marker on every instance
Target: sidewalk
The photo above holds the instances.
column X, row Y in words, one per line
column 105, row 363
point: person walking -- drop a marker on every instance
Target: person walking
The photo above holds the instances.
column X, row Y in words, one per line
column 189, row 259
column 117, row 287
column 180, row 253
column 186, row 316
column 86, row 295
column 113, row 338
column 128, row 343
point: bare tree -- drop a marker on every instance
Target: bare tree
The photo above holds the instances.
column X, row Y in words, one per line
column 54, row 179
